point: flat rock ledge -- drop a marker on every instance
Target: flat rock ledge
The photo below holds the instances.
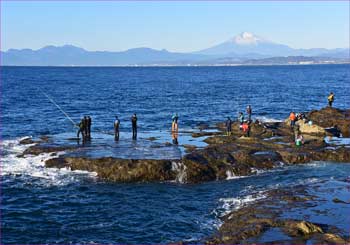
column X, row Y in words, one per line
column 270, row 145
column 265, row 222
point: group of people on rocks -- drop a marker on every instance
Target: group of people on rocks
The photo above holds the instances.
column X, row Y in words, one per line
column 85, row 128
column 295, row 117
column 133, row 125
column 244, row 125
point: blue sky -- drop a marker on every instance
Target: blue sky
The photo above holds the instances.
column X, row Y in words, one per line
column 176, row 26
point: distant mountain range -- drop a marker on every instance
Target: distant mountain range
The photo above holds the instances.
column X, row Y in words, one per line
column 243, row 49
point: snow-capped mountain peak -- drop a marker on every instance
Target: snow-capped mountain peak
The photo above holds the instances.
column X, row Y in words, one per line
column 246, row 38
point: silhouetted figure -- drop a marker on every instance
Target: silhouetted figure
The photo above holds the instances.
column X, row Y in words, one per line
column 86, row 128
column 228, row 126
column 88, row 121
column 249, row 112
column 292, row 118
column 82, row 128
column 116, row 128
column 134, row 126
column 241, row 118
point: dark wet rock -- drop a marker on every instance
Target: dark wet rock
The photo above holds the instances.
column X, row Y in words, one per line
column 204, row 133
column 249, row 223
column 152, row 138
column 45, row 138
column 203, row 126
column 337, row 200
column 329, row 238
column 27, row 141
column 297, row 228
column 189, row 148
column 119, row 170
column 42, row 148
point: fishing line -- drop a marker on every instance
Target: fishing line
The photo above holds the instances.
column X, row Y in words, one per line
column 53, row 102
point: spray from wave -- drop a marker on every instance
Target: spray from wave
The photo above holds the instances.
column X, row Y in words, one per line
column 31, row 169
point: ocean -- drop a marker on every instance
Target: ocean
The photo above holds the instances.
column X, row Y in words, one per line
column 42, row 205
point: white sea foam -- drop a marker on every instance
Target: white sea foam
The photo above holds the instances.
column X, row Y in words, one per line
column 231, row 175
column 235, row 203
column 180, row 168
column 267, row 119
column 32, row 168
column 258, row 171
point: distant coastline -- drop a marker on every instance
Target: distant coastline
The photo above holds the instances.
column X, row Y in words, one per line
column 164, row 65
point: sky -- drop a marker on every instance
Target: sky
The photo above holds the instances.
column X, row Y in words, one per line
column 176, row 26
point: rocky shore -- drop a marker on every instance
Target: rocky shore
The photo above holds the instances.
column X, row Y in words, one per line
column 270, row 145
column 282, row 217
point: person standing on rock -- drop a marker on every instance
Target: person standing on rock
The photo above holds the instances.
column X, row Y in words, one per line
column 330, row 99
column 86, row 129
column 292, row 119
column 82, row 128
column 88, row 126
column 228, row 126
column 249, row 112
column 174, row 124
column 241, row 119
column 296, row 130
column 116, row 128
column 134, row 126
column 246, row 129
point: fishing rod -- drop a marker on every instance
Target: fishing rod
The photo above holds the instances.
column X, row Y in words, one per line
column 67, row 116
column 64, row 113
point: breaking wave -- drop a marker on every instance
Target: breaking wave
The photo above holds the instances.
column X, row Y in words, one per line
column 30, row 168
column 234, row 203
column 268, row 119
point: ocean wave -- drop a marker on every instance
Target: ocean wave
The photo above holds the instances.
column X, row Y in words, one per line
column 234, row 203
column 32, row 168
column 267, row 119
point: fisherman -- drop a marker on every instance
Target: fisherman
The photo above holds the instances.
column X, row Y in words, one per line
column 134, row 126
column 296, row 130
column 330, row 99
column 174, row 124
column 82, row 127
column 88, row 126
column 241, row 119
column 299, row 141
column 116, row 128
column 246, row 129
column 228, row 126
column 249, row 112
column 292, row 119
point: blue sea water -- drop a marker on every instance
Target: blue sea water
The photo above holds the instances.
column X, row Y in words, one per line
column 42, row 205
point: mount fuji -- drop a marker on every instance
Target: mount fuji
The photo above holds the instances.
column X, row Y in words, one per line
column 245, row 48
column 250, row 45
